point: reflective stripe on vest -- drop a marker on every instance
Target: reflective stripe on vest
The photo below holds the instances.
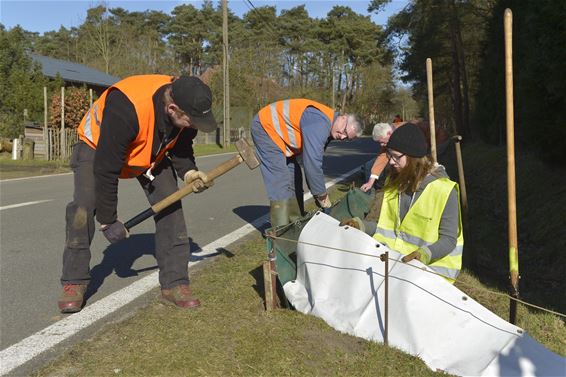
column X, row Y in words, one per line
column 281, row 120
column 420, row 225
column 140, row 91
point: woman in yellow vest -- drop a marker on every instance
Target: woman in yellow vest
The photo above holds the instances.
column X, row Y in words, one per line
column 420, row 214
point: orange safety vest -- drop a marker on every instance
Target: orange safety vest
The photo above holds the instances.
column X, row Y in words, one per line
column 281, row 120
column 139, row 90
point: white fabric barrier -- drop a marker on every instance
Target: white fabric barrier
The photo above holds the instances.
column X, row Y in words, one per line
column 428, row 317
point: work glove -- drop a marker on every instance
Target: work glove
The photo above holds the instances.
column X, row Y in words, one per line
column 198, row 179
column 418, row 254
column 323, row 201
column 115, row 231
column 354, row 222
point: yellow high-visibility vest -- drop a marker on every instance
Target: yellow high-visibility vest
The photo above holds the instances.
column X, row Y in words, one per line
column 420, row 225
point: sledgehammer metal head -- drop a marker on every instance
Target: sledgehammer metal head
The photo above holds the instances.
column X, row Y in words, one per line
column 247, row 153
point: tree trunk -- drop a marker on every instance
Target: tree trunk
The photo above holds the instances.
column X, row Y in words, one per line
column 465, row 87
column 456, row 79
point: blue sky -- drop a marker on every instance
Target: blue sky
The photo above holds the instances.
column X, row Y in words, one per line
column 48, row 15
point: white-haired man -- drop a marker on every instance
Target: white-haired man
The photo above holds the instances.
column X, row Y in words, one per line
column 380, row 134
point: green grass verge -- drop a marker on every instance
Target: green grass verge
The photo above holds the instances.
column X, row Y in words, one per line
column 30, row 168
column 232, row 334
column 541, row 217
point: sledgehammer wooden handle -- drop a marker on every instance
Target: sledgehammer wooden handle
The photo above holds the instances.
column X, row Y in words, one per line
column 182, row 192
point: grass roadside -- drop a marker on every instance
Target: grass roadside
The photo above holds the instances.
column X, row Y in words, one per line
column 233, row 335
column 10, row 169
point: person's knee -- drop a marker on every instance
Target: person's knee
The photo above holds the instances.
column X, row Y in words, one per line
column 180, row 238
column 80, row 221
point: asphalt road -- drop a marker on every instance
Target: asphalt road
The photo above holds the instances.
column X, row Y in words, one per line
column 32, row 236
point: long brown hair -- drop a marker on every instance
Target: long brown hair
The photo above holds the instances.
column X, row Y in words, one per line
column 409, row 177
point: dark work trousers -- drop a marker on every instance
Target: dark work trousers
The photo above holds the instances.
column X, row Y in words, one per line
column 282, row 175
column 172, row 248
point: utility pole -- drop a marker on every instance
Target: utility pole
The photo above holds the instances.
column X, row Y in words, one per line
column 225, row 65
column 333, row 87
column 62, row 138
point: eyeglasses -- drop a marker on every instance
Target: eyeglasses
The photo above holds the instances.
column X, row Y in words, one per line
column 393, row 157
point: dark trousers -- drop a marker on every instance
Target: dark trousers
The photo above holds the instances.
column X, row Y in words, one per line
column 172, row 248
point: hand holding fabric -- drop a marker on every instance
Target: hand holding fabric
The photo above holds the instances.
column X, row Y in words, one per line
column 418, row 254
column 115, row 232
column 368, row 185
column 353, row 222
column 198, row 180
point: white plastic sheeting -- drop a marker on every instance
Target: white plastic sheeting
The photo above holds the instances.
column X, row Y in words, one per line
column 428, row 317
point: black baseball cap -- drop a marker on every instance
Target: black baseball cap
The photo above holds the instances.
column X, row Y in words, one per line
column 194, row 97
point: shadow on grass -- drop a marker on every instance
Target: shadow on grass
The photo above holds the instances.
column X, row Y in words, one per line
column 120, row 257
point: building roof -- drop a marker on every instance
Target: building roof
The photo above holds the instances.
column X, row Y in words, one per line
column 73, row 72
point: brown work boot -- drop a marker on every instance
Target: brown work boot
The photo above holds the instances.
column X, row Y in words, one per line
column 181, row 296
column 72, row 297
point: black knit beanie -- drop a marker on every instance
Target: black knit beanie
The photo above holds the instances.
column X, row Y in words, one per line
column 408, row 139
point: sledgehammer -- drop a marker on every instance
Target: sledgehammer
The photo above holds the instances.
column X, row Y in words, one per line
column 246, row 154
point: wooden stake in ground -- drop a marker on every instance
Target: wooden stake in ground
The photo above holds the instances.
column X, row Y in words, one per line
column 463, row 193
column 511, row 192
column 431, row 109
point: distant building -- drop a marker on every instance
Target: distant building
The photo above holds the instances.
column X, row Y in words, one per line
column 75, row 74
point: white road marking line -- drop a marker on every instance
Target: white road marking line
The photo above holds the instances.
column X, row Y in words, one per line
column 30, row 347
column 34, row 177
column 25, row 204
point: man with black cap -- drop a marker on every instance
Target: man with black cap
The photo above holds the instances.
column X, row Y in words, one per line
column 141, row 127
column 420, row 213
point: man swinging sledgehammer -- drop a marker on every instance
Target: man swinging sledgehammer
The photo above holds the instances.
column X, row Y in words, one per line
column 126, row 134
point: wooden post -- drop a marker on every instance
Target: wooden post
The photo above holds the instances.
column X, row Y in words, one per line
column 267, row 286
column 431, row 109
column 511, row 192
column 90, row 97
column 270, row 274
column 226, row 66
column 385, row 258
column 461, row 179
column 45, row 121
column 62, row 139
column 463, row 194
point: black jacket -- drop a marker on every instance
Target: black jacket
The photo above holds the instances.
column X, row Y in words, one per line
column 118, row 129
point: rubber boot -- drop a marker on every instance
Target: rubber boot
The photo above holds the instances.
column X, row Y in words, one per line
column 279, row 213
column 295, row 212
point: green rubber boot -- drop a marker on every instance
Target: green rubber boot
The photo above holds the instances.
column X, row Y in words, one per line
column 279, row 213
